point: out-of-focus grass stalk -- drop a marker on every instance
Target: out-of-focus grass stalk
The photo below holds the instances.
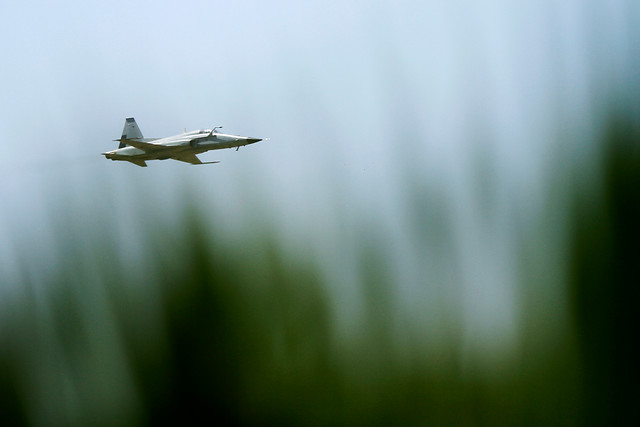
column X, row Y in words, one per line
column 198, row 329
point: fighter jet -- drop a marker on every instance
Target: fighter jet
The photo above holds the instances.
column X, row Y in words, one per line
column 184, row 147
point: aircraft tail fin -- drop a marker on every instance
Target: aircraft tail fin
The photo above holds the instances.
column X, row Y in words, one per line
column 130, row 131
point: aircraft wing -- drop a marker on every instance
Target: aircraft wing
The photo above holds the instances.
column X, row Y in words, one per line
column 191, row 158
column 144, row 145
column 138, row 162
column 188, row 158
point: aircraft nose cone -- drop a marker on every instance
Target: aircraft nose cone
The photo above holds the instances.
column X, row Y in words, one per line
column 253, row 140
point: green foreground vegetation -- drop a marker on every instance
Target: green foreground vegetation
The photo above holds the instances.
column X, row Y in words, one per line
column 195, row 330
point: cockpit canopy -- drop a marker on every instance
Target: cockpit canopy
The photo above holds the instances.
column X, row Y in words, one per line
column 198, row 132
column 203, row 131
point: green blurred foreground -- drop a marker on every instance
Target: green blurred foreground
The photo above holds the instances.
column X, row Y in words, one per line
column 196, row 331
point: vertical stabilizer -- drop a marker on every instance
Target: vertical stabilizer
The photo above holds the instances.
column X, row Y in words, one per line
column 130, row 131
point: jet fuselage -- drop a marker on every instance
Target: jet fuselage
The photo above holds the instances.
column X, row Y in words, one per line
column 184, row 147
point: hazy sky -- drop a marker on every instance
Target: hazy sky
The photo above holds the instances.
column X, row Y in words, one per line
column 470, row 101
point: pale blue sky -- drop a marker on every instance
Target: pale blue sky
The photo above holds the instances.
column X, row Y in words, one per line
column 360, row 100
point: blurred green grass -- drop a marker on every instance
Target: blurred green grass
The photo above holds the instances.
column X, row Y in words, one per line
column 202, row 327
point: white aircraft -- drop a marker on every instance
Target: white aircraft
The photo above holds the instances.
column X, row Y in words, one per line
column 136, row 149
